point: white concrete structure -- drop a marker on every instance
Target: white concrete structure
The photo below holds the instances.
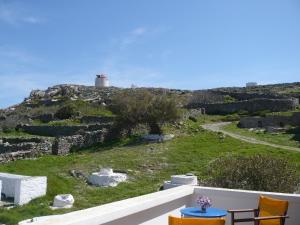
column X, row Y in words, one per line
column 153, row 209
column 63, row 201
column 251, row 84
column 101, row 81
column 179, row 180
column 157, row 137
column 107, row 178
column 23, row 188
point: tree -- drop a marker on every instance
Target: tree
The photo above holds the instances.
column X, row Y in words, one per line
column 139, row 106
column 257, row 172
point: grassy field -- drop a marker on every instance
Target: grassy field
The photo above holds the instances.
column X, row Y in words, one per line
column 148, row 165
column 289, row 138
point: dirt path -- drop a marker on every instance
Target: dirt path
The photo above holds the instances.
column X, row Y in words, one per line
column 217, row 127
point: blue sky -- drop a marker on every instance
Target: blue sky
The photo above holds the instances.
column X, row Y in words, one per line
column 192, row 44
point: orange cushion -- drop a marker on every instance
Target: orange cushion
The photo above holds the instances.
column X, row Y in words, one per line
column 272, row 207
column 195, row 221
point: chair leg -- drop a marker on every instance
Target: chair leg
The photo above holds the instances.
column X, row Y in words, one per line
column 232, row 218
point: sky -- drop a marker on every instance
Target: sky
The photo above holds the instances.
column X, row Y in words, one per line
column 194, row 44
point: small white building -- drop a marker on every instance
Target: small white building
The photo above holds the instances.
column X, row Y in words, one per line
column 22, row 188
column 251, row 84
column 101, row 81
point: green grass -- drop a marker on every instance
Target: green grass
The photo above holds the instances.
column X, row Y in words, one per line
column 287, row 113
column 66, row 122
column 91, row 109
column 148, row 165
column 287, row 138
column 14, row 133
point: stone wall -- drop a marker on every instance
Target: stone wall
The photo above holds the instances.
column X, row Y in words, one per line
column 64, row 145
column 10, row 151
column 35, row 148
column 96, row 119
column 270, row 121
column 242, row 96
column 55, row 131
column 254, row 105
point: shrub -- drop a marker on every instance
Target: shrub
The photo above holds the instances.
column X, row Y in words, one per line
column 258, row 172
column 66, row 112
column 229, row 99
column 133, row 107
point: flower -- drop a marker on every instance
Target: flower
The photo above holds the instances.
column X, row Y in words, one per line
column 204, row 202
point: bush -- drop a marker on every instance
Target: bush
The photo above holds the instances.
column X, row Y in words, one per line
column 66, row 112
column 258, row 172
column 133, row 107
column 229, row 99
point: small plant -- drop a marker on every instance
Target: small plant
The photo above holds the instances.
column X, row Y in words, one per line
column 203, row 202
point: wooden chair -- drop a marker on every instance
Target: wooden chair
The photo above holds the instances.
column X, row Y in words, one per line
column 195, row 221
column 270, row 211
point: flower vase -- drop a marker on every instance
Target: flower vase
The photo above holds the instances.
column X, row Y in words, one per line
column 203, row 209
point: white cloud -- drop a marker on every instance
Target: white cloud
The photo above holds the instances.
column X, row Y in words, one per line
column 9, row 54
column 139, row 31
column 132, row 37
column 32, row 19
column 13, row 14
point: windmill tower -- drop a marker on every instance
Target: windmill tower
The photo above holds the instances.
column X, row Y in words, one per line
column 101, row 81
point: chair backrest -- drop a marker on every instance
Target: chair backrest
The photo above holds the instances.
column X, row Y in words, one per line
column 272, row 207
column 195, row 221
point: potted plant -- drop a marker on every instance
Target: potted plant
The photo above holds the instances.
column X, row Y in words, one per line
column 203, row 202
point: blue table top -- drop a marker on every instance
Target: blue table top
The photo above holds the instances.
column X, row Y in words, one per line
column 210, row 212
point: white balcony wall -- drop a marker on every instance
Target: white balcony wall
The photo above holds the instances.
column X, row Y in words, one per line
column 153, row 209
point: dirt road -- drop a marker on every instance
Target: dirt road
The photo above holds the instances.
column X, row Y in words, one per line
column 217, row 127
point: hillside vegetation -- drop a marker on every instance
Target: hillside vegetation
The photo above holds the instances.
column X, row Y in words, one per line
column 148, row 165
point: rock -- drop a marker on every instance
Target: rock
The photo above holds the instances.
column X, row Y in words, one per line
column 37, row 94
column 63, row 201
column 178, row 180
column 157, row 137
column 77, row 174
column 107, row 178
column 2, row 117
column 192, row 118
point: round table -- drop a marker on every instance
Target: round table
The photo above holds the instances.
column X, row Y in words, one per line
column 210, row 212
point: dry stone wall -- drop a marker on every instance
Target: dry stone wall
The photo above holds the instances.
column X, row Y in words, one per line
column 64, row 145
column 254, row 105
column 270, row 121
column 55, row 131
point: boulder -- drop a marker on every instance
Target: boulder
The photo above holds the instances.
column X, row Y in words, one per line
column 107, row 178
column 178, row 180
column 63, row 201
